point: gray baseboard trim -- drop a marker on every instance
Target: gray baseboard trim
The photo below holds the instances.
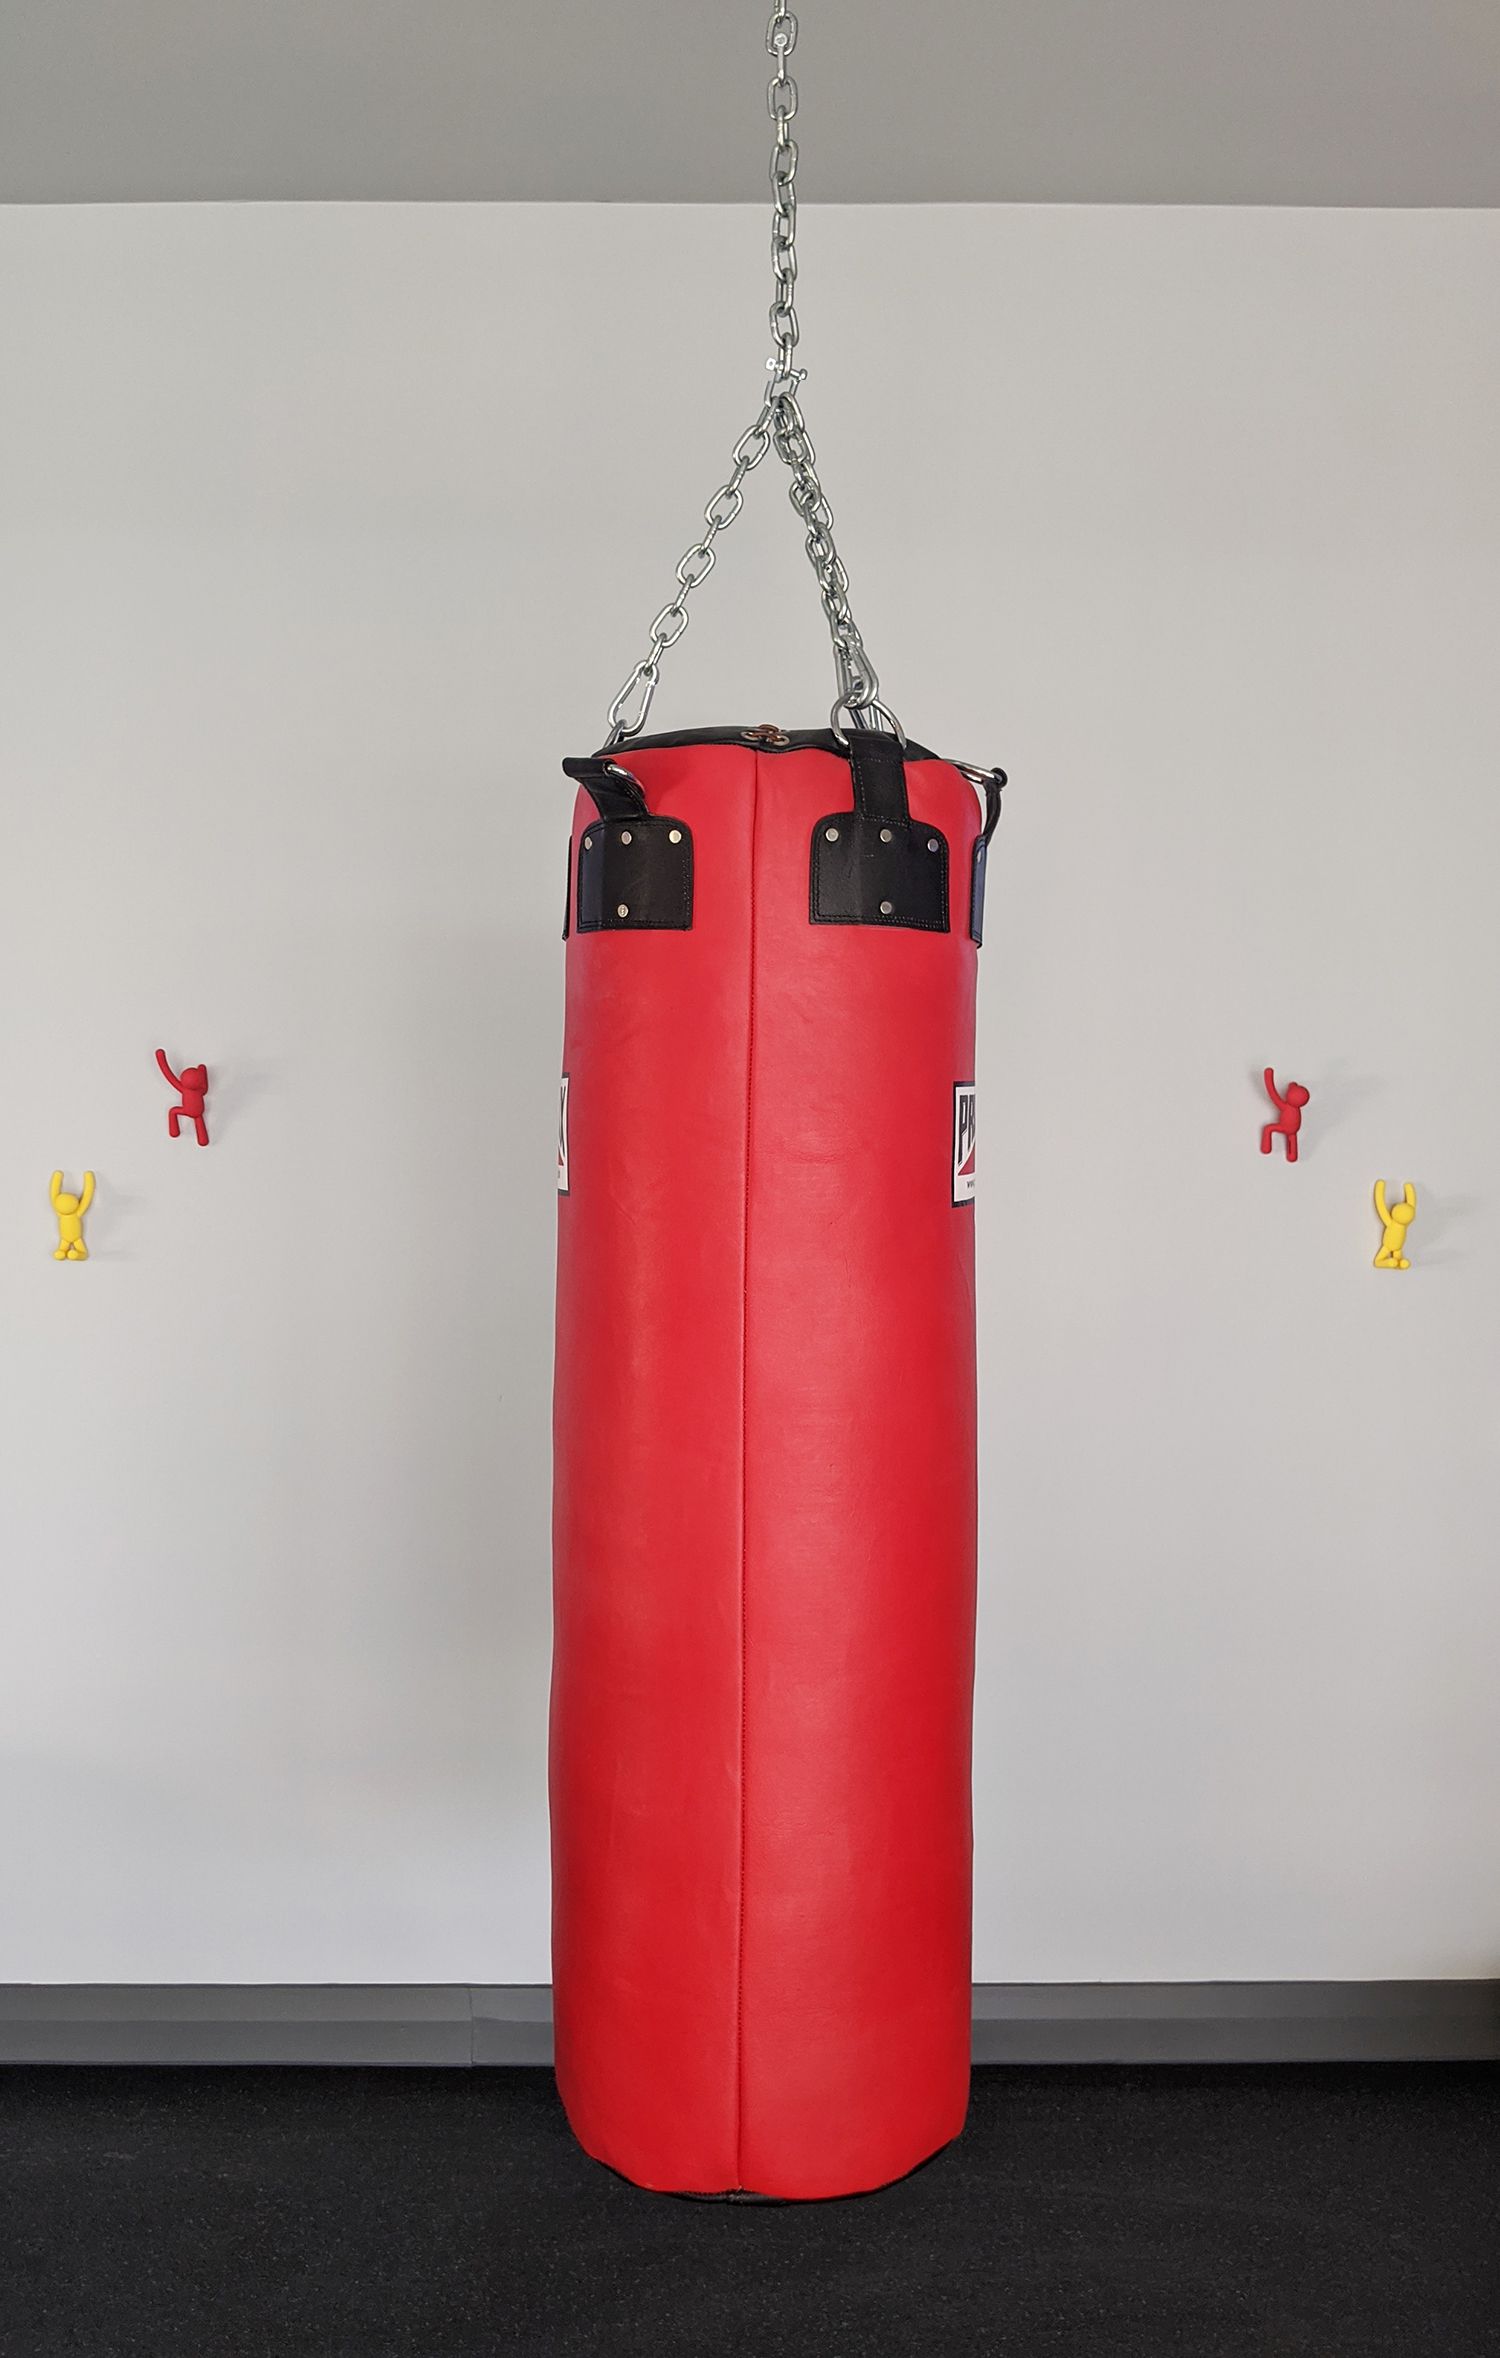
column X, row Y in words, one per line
column 1014, row 2022
column 138, row 2022
column 1237, row 2022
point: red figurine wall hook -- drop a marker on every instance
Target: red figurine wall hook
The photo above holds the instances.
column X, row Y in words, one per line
column 1288, row 1112
column 192, row 1085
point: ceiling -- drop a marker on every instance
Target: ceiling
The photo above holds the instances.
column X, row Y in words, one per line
column 1312, row 102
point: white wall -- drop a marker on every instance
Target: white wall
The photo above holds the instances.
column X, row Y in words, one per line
column 324, row 533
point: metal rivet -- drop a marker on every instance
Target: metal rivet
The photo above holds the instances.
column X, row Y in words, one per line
column 886, row 908
column 625, row 835
column 832, row 834
column 885, row 835
column 622, row 909
column 933, row 844
column 675, row 835
column 588, row 843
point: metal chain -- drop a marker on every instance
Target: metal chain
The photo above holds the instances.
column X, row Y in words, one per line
column 781, row 103
column 778, row 424
column 693, row 566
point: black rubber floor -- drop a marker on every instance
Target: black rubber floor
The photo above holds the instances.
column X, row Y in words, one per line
column 1292, row 2213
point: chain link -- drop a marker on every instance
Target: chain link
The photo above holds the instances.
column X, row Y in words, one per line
column 779, row 425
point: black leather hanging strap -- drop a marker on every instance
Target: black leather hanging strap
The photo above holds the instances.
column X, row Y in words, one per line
column 635, row 868
column 879, row 776
column 875, row 864
column 616, row 794
column 994, row 781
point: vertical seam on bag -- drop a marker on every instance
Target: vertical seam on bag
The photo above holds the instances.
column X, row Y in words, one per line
column 739, row 1957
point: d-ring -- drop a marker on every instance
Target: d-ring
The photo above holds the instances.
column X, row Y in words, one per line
column 843, row 704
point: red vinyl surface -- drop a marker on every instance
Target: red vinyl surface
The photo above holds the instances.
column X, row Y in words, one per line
column 764, row 1517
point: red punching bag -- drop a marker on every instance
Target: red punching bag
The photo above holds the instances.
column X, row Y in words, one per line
column 764, row 1519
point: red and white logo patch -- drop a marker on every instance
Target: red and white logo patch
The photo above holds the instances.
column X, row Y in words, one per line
column 963, row 1142
column 562, row 1139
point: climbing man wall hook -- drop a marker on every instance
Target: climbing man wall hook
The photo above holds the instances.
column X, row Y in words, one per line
column 70, row 1210
column 1395, row 1220
column 1288, row 1122
column 191, row 1085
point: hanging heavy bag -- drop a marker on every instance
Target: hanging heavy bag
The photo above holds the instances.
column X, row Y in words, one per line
column 764, row 1519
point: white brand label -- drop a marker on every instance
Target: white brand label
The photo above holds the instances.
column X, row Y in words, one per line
column 562, row 1138
column 963, row 1142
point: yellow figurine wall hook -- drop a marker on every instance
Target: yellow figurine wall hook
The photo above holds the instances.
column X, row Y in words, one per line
column 1395, row 1219
column 70, row 1210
